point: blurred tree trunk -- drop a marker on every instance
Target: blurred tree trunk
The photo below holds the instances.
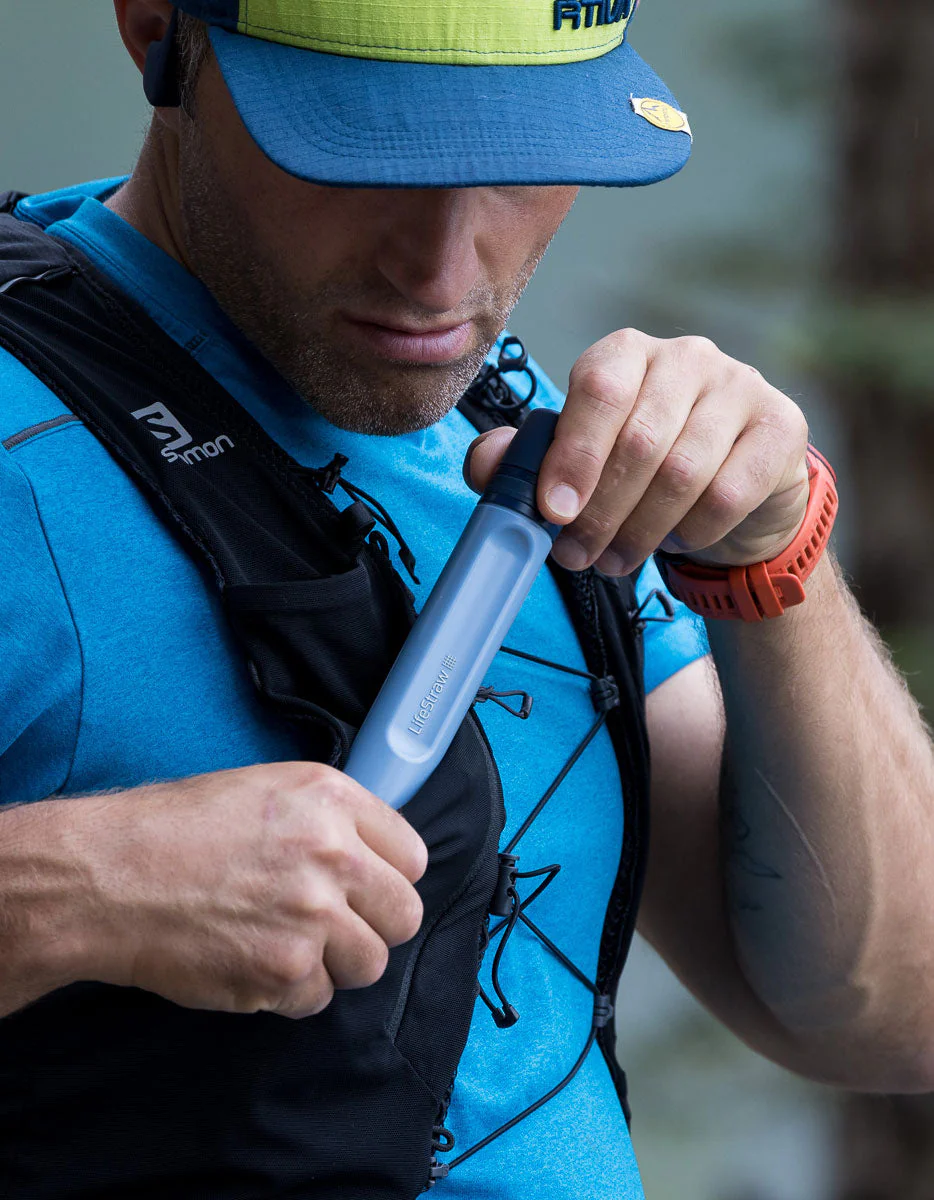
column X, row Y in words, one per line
column 885, row 254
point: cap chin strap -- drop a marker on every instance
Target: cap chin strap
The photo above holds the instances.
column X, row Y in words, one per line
column 160, row 74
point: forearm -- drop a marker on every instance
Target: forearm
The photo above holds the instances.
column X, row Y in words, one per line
column 261, row 888
column 828, row 850
column 43, row 928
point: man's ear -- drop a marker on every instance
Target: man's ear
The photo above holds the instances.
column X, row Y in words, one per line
column 141, row 23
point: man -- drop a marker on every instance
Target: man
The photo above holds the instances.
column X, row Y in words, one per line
column 336, row 222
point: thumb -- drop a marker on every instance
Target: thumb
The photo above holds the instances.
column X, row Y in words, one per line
column 483, row 456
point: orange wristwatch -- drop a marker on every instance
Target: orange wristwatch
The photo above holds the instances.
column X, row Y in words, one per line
column 764, row 589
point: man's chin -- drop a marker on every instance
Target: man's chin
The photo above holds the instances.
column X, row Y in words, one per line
column 391, row 401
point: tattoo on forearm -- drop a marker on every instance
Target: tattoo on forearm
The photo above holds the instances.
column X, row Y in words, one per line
column 742, row 864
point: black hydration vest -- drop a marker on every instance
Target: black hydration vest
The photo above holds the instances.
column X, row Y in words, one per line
column 109, row 1093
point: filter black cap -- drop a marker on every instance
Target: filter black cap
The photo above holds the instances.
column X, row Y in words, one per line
column 528, row 448
column 516, row 479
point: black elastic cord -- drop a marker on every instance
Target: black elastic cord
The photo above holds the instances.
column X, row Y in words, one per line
column 552, row 872
column 556, row 782
column 507, row 1014
column 639, row 620
column 604, row 695
column 491, row 1137
column 405, row 552
column 546, row 662
column 559, row 954
column 328, row 477
column 488, row 693
column 442, row 1141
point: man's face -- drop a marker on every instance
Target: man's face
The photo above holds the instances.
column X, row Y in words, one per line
column 377, row 305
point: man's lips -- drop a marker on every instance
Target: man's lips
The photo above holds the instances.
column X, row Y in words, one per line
column 411, row 345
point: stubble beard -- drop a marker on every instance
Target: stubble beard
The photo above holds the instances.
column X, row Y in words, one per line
column 289, row 326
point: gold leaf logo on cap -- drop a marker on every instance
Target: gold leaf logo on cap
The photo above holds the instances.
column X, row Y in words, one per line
column 661, row 115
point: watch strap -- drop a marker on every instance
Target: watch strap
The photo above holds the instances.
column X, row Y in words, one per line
column 765, row 589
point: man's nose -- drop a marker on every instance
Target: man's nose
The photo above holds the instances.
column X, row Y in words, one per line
column 429, row 247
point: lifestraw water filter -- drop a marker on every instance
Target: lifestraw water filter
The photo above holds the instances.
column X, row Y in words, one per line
column 435, row 678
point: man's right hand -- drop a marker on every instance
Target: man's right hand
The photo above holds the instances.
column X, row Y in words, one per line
column 258, row 889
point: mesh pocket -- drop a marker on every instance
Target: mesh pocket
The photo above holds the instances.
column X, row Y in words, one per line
column 460, row 814
column 321, row 648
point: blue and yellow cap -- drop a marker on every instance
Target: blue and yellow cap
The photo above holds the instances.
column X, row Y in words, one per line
column 447, row 93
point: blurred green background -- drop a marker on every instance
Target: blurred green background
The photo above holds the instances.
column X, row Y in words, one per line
column 800, row 238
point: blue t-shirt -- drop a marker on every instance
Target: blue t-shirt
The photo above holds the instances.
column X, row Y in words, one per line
column 117, row 668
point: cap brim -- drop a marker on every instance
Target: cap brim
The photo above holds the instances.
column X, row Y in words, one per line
column 357, row 122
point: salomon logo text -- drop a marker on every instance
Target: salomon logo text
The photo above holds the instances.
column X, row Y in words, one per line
column 165, row 425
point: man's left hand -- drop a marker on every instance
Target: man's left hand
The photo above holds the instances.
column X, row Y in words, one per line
column 672, row 445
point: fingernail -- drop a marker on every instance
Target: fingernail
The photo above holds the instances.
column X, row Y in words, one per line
column 570, row 553
column 563, row 501
column 611, row 563
column 672, row 544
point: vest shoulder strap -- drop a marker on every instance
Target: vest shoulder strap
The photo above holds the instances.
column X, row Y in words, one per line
column 85, row 340
column 606, row 617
